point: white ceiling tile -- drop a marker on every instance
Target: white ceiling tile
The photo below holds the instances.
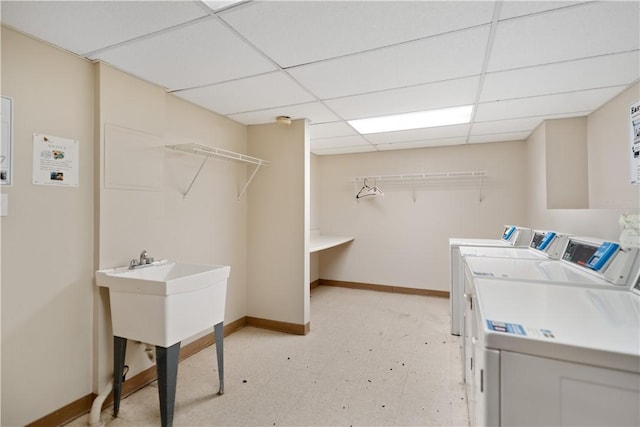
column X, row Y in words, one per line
column 421, row 144
column 339, row 141
column 445, row 57
column 423, row 134
column 572, row 102
column 198, row 54
column 301, row 32
column 328, row 130
column 431, row 96
column 316, row 112
column 248, row 94
column 576, row 32
column 590, row 73
column 85, row 26
column 221, row 4
column 499, row 137
column 501, row 126
column 512, row 9
column 526, row 124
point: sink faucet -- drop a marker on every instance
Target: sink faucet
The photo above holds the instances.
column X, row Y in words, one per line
column 145, row 259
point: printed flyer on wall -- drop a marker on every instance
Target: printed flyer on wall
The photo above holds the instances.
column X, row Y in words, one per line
column 55, row 161
column 6, row 143
column 634, row 122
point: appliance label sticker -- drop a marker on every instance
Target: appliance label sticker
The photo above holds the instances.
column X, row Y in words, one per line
column 509, row 328
column 481, row 273
column 516, row 329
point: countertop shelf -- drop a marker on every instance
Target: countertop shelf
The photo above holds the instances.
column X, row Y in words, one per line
column 208, row 152
column 319, row 242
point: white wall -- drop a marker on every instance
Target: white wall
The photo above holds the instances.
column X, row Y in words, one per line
column 314, row 193
column 47, row 239
column 400, row 242
column 608, row 154
column 55, row 238
column 610, row 191
column 209, row 226
column 278, row 223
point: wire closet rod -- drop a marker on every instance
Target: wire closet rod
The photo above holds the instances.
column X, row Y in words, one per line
column 417, row 176
column 208, row 152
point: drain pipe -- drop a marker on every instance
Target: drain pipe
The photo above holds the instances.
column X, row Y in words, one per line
column 96, row 407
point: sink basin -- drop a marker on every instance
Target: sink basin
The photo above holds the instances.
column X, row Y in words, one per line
column 166, row 302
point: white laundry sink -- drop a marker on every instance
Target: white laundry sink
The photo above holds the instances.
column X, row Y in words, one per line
column 165, row 302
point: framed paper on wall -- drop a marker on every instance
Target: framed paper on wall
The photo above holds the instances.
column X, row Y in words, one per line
column 55, row 161
column 634, row 124
column 6, row 140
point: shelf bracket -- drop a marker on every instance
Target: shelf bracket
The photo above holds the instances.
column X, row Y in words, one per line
column 255, row 171
column 184, row 195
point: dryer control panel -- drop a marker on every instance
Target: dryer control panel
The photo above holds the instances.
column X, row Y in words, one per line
column 605, row 259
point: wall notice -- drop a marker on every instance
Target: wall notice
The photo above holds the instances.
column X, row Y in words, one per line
column 6, row 140
column 55, row 161
column 634, row 123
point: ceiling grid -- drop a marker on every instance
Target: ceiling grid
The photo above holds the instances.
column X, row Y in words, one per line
column 517, row 62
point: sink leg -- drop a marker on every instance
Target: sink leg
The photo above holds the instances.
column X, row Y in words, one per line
column 119, row 351
column 167, row 368
column 219, row 331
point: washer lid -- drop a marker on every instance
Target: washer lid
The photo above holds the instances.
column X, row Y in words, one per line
column 463, row 241
column 497, row 252
column 598, row 327
column 533, row 270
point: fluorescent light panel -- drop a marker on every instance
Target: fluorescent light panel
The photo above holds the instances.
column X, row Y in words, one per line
column 417, row 120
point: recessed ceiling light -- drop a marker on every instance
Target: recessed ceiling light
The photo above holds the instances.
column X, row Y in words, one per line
column 417, row 120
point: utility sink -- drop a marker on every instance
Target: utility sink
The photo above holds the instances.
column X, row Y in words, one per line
column 165, row 302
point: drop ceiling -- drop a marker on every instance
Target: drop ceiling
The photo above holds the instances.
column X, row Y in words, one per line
column 517, row 62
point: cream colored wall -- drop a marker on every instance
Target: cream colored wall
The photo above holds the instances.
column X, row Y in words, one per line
column 47, row 239
column 566, row 163
column 209, row 226
column 314, row 193
column 278, row 224
column 610, row 193
column 609, row 150
column 53, row 315
column 405, row 243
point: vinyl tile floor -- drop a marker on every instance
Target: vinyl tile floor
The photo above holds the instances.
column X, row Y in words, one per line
column 371, row 359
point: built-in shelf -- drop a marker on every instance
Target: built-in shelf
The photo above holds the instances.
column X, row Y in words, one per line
column 319, row 242
column 213, row 152
column 425, row 177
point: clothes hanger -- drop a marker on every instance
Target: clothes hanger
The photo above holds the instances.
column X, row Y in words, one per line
column 369, row 191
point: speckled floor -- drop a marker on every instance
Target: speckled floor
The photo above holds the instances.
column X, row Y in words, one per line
column 371, row 359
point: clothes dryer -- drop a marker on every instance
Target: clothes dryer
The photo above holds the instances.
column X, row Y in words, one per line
column 555, row 355
column 585, row 263
column 512, row 236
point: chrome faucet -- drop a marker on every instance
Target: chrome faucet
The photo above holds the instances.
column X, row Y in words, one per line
column 144, row 257
column 144, row 260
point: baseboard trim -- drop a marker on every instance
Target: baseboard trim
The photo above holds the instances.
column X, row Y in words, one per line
column 314, row 284
column 384, row 288
column 82, row 406
column 66, row 414
column 275, row 325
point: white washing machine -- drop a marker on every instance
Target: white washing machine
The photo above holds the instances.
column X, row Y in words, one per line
column 545, row 245
column 555, row 355
column 585, row 263
column 513, row 236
